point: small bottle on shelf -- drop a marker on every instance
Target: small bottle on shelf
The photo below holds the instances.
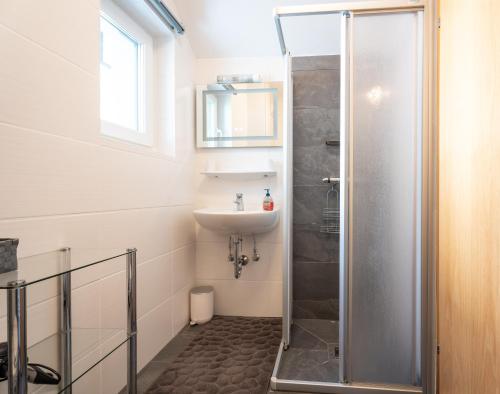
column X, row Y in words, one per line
column 268, row 204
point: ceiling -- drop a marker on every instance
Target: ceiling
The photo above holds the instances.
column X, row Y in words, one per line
column 245, row 28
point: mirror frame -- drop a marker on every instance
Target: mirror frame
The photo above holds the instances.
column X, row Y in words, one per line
column 276, row 140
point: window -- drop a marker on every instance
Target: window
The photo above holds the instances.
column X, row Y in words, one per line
column 120, row 101
column 126, row 72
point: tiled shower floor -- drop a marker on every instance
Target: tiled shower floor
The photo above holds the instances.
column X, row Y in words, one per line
column 311, row 355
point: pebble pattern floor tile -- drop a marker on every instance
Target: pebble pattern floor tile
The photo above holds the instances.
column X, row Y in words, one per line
column 228, row 355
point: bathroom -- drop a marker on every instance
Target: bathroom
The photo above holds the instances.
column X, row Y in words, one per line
column 223, row 196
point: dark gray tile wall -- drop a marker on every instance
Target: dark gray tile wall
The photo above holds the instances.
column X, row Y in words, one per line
column 316, row 111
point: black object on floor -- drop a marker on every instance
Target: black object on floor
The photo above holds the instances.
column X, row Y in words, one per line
column 228, row 355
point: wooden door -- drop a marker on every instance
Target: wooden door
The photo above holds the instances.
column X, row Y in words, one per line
column 469, row 198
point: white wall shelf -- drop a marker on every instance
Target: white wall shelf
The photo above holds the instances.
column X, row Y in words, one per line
column 240, row 174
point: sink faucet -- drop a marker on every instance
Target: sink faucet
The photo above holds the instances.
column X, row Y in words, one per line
column 239, row 202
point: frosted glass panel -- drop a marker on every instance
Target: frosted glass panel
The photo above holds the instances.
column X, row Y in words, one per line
column 384, row 197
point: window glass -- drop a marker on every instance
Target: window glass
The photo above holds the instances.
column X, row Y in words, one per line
column 119, row 77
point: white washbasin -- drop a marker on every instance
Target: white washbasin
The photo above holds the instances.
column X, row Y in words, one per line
column 230, row 222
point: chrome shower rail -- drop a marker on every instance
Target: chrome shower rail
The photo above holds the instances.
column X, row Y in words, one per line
column 167, row 17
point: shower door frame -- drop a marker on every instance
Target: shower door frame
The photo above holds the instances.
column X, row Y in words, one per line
column 287, row 219
column 428, row 201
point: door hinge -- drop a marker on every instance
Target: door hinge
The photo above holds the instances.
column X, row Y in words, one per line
column 438, row 349
column 438, row 23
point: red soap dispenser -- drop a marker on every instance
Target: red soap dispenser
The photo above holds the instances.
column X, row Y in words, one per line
column 268, row 204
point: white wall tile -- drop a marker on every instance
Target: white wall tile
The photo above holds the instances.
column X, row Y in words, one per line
column 42, row 320
column 36, row 294
column 244, row 298
column 114, row 371
column 180, row 183
column 148, row 230
column 44, row 92
column 69, row 29
column 154, row 283
column 113, row 290
column 64, row 176
column 183, row 267
column 88, row 383
column 260, row 281
column 86, row 304
column 153, row 231
column 270, row 68
column 182, row 226
column 181, row 308
column 156, row 324
column 273, row 236
column 41, row 234
column 64, row 185
column 212, row 261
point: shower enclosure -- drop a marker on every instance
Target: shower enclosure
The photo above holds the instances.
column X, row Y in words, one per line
column 358, row 213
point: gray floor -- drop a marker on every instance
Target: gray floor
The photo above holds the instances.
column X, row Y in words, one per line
column 227, row 355
column 327, row 309
column 152, row 371
column 312, row 352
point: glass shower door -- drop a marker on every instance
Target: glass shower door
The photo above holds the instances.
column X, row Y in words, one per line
column 383, row 139
column 384, row 180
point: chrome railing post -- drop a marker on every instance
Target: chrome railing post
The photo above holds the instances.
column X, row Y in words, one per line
column 65, row 325
column 16, row 331
column 131, row 321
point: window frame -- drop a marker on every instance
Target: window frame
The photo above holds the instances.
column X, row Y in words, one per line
column 114, row 15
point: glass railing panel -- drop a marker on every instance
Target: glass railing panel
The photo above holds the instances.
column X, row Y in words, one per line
column 44, row 266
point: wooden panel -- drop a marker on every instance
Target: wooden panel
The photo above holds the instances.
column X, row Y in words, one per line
column 469, row 255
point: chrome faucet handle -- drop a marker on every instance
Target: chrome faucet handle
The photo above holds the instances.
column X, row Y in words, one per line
column 239, row 202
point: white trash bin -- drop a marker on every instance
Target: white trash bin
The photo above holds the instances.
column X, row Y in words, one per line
column 202, row 304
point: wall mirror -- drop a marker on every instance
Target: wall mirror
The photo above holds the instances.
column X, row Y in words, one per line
column 239, row 115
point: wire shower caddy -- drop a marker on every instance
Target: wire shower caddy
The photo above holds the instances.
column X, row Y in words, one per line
column 331, row 214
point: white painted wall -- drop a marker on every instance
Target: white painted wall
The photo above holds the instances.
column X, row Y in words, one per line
column 259, row 290
column 236, row 28
column 63, row 184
